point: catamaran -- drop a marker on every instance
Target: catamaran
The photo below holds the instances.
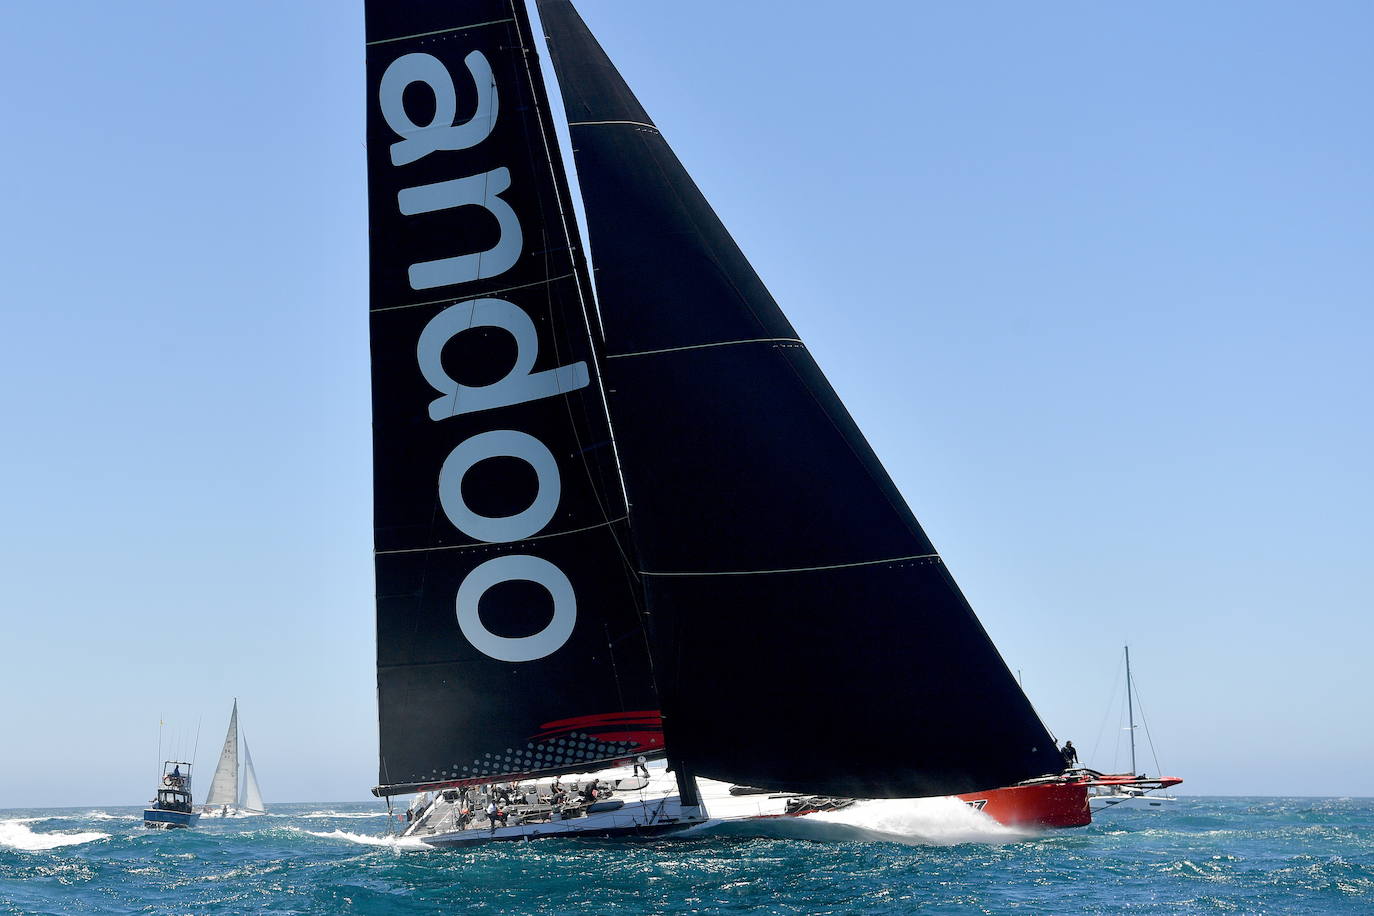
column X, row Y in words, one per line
column 1133, row 789
column 619, row 512
column 228, row 796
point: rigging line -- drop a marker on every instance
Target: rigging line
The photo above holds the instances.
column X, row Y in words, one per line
column 767, row 572
column 457, row 28
column 1107, row 713
column 1159, row 771
column 486, row 295
column 721, row 343
column 511, row 544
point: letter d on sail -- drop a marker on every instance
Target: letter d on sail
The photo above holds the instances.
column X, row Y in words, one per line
column 519, row 385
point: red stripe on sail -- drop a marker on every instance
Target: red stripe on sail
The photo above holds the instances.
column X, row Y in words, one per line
column 642, row 727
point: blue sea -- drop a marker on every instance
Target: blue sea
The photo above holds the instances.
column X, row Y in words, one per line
column 1193, row 855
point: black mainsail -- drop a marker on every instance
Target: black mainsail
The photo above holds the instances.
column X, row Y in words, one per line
column 510, row 636
column 805, row 633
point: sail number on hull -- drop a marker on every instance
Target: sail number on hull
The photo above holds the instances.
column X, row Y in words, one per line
column 520, row 384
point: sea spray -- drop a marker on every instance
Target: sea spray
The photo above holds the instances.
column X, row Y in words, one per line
column 16, row 834
column 366, row 839
column 929, row 821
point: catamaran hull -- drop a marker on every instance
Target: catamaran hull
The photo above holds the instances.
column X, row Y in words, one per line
column 1106, row 802
column 1045, row 806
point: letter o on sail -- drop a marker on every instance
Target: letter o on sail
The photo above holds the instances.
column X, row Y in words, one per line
column 500, row 443
column 513, row 569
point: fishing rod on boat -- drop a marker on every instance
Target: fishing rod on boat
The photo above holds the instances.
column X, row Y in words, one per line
column 196, row 746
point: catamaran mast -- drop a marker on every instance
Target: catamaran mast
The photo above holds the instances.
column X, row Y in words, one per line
column 1130, row 709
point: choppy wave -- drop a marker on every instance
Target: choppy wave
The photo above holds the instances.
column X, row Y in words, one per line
column 889, row 858
column 17, row 834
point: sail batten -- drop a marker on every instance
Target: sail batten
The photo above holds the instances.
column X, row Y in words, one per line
column 823, row 647
column 771, row 572
column 702, row 346
column 437, row 32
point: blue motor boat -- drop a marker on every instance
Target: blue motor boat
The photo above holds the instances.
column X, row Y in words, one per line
column 172, row 807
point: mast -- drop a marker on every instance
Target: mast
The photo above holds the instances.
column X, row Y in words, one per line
column 1130, row 708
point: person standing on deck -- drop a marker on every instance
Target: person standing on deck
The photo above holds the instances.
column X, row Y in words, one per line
column 1070, row 755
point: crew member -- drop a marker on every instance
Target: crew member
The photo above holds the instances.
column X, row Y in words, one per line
column 1070, row 755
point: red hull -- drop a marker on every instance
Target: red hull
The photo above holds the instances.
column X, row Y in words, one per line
column 1052, row 804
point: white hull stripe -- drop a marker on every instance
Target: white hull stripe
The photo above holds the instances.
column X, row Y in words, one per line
column 723, row 343
column 769, row 572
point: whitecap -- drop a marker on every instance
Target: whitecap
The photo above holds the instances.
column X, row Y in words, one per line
column 17, row 835
column 104, row 816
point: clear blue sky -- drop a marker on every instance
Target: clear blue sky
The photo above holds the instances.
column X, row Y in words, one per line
column 1096, row 280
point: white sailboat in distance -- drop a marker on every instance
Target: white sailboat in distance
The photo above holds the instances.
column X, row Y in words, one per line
column 228, row 796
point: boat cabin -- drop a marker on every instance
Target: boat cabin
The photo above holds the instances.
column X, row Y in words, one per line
column 173, row 800
column 174, row 790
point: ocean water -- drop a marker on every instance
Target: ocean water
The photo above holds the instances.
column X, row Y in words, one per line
column 1194, row 855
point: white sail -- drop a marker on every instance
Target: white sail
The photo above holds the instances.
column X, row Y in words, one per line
column 224, row 785
column 251, row 797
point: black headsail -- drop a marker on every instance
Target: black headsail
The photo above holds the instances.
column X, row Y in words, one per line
column 509, row 635
column 806, row 635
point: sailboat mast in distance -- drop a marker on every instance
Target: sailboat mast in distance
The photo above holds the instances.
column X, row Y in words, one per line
column 771, row 538
column 1130, row 709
